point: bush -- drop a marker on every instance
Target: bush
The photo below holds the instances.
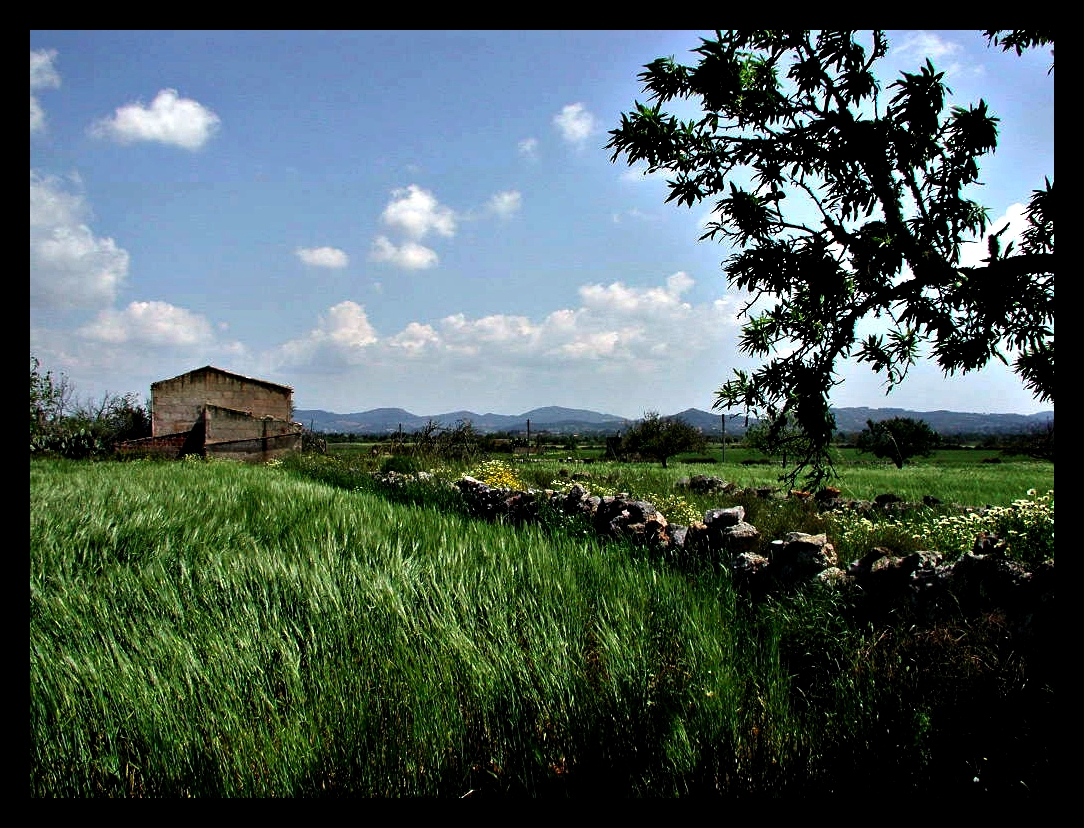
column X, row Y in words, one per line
column 89, row 430
column 400, row 464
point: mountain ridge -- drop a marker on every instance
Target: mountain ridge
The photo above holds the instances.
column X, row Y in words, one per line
column 560, row 420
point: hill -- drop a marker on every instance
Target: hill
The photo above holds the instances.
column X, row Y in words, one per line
column 557, row 420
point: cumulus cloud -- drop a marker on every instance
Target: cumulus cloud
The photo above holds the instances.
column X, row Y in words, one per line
column 347, row 325
column 506, row 204
column 70, row 267
column 342, row 335
column 575, row 123
column 619, row 340
column 170, row 119
column 417, row 213
column 323, row 257
column 410, row 255
column 157, row 324
column 528, row 148
column 414, row 338
column 649, row 302
column 43, row 75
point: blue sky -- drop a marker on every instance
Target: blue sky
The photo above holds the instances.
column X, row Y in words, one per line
column 424, row 220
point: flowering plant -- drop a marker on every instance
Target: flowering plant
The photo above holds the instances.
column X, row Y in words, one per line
column 498, row 475
column 1026, row 527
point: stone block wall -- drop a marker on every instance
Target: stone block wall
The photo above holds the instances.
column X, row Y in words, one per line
column 178, row 403
column 239, row 436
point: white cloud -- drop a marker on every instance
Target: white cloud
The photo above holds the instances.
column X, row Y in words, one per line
column 414, row 338
column 926, row 44
column 921, row 45
column 169, row 119
column 37, row 115
column 498, row 329
column 575, row 123
column 70, row 267
column 417, row 213
column 410, row 255
column 43, row 75
column 348, row 326
column 620, row 341
column 150, row 323
column 323, row 257
column 972, row 253
column 343, row 335
column 506, row 204
column 528, row 148
column 649, row 302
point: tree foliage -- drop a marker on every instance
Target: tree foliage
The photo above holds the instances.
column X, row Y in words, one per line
column 777, row 438
column 840, row 207
column 1036, row 443
column 60, row 425
column 898, row 439
column 49, row 397
column 660, row 438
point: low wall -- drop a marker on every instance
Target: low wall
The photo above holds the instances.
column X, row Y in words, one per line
column 169, row 445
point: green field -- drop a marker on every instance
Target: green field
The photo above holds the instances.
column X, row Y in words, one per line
column 962, row 476
column 213, row 629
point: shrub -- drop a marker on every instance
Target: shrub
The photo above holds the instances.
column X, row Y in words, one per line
column 1027, row 527
column 400, row 464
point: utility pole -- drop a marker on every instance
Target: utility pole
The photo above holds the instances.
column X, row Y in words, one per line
column 528, row 438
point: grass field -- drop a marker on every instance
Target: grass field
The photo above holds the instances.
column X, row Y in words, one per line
column 213, row 629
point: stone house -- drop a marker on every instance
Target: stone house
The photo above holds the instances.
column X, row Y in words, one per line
column 213, row 412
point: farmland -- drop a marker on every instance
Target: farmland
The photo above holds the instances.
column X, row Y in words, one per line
column 213, row 629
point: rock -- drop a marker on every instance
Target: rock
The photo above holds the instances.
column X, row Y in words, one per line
column 800, row 556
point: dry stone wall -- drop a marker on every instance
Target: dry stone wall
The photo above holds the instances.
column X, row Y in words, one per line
column 982, row 580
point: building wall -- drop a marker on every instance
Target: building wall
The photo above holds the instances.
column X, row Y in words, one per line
column 255, row 450
column 226, row 424
column 178, row 403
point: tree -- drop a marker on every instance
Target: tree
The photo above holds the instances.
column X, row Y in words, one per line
column 50, row 397
column 660, row 438
column 59, row 425
column 777, row 438
column 876, row 212
column 1037, row 443
column 898, row 439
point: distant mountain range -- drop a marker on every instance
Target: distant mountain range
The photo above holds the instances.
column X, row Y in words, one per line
column 557, row 420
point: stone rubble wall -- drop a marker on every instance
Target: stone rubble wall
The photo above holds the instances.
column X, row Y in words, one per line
column 983, row 579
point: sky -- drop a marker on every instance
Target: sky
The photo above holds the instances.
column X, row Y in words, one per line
column 424, row 220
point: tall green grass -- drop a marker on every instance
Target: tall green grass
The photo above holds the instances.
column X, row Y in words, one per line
column 213, row 629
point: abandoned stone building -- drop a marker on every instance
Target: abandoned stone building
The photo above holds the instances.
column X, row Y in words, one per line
column 212, row 412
